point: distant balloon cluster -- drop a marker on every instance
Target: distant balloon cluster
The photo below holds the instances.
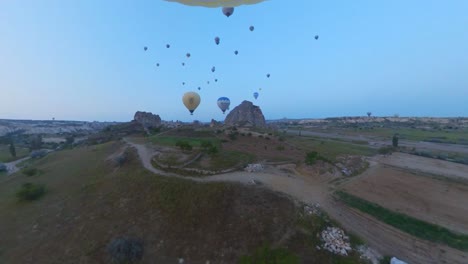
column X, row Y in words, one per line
column 192, row 100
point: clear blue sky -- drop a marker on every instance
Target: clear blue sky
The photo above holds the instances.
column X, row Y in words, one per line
column 84, row 59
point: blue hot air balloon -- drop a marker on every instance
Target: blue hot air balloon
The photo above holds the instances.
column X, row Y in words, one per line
column 223, row 103
column 255, row 95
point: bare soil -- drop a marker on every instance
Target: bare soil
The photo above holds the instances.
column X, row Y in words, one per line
column 426, row 165
column 417, row 195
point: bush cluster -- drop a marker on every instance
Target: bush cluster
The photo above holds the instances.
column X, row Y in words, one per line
column 184, row 145
column 30, row 192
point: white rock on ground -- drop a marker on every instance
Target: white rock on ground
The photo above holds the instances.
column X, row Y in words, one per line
column 254, row 167
column 335, row 241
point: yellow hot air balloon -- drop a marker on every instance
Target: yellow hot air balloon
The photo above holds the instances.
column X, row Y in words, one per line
column 191, row 100
column 217, row 3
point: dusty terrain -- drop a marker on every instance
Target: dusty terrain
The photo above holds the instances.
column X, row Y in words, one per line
column 433, row 200
column 426, row 165
column 386, row 239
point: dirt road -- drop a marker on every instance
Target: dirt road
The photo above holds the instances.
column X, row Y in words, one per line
column 11, row 166
column 314, row 189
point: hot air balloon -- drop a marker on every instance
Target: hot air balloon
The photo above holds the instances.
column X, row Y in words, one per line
column 251, row 28
column 216, row 3
column 255, row 95
column 191, row 100
column 183, row 63
column 316, row 37
column 216, row 40
column 183, row 83
column 199, row 88
column 145, row 48
column 268, row 75
column 168, row 46
column 223, row 103
column 259, row 89
column 213, row 69
column 216, row 80
column 228, row 5
column 188, row 55
column 157, row 64
column 208, row 82
column 236, row 52
column 228, row 11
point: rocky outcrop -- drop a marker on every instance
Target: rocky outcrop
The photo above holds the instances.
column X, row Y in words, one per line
column 214, row 123
column 246, row 114
column 147, row 119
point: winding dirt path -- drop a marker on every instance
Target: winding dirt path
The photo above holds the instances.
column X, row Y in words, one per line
column 386, row 239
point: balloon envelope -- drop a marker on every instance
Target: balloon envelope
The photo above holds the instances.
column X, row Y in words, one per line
column 228, row 11
column 251, row 28
column 223, row 103
column 145, row 48
column 217, row 3
column 255, row 95
column 217, row 40
column 191, row 100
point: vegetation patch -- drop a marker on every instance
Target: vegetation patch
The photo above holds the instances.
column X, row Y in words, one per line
column 406, row 223
column 266, row 254
column 30, row 192
column 331, row 149
column 30, row 171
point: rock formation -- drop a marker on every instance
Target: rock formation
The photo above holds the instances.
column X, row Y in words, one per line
column 147, row 119
column 245, row 114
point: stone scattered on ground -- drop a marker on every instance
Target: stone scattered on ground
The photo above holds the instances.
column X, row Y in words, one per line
column 254, row 167
column 335, row 241
column 369, row 254
column 255, row 182
column 312, row 209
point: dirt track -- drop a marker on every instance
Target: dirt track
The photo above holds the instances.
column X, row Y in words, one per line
column 314, row 189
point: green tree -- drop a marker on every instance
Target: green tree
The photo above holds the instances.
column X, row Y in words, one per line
column 35, row 142
column 12, row 149
column 395, row 140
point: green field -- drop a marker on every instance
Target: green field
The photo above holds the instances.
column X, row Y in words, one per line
column 224, row 160
column 331, row 149
column 5, row 155
column 406, row 223
column 441, row 136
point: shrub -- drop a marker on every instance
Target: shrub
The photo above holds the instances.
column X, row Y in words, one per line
column 386, row 150
column 280, row 148
column 266, row 254
column 184, row 145
column 205, row 144
column 29, row 171
column 30, row 192
column 35, row 154
column 125, row 250
column 311, row 157
column 120, row 159
column 232, row 136
column 395, row 140
column 2, row 167
column 212, row 150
